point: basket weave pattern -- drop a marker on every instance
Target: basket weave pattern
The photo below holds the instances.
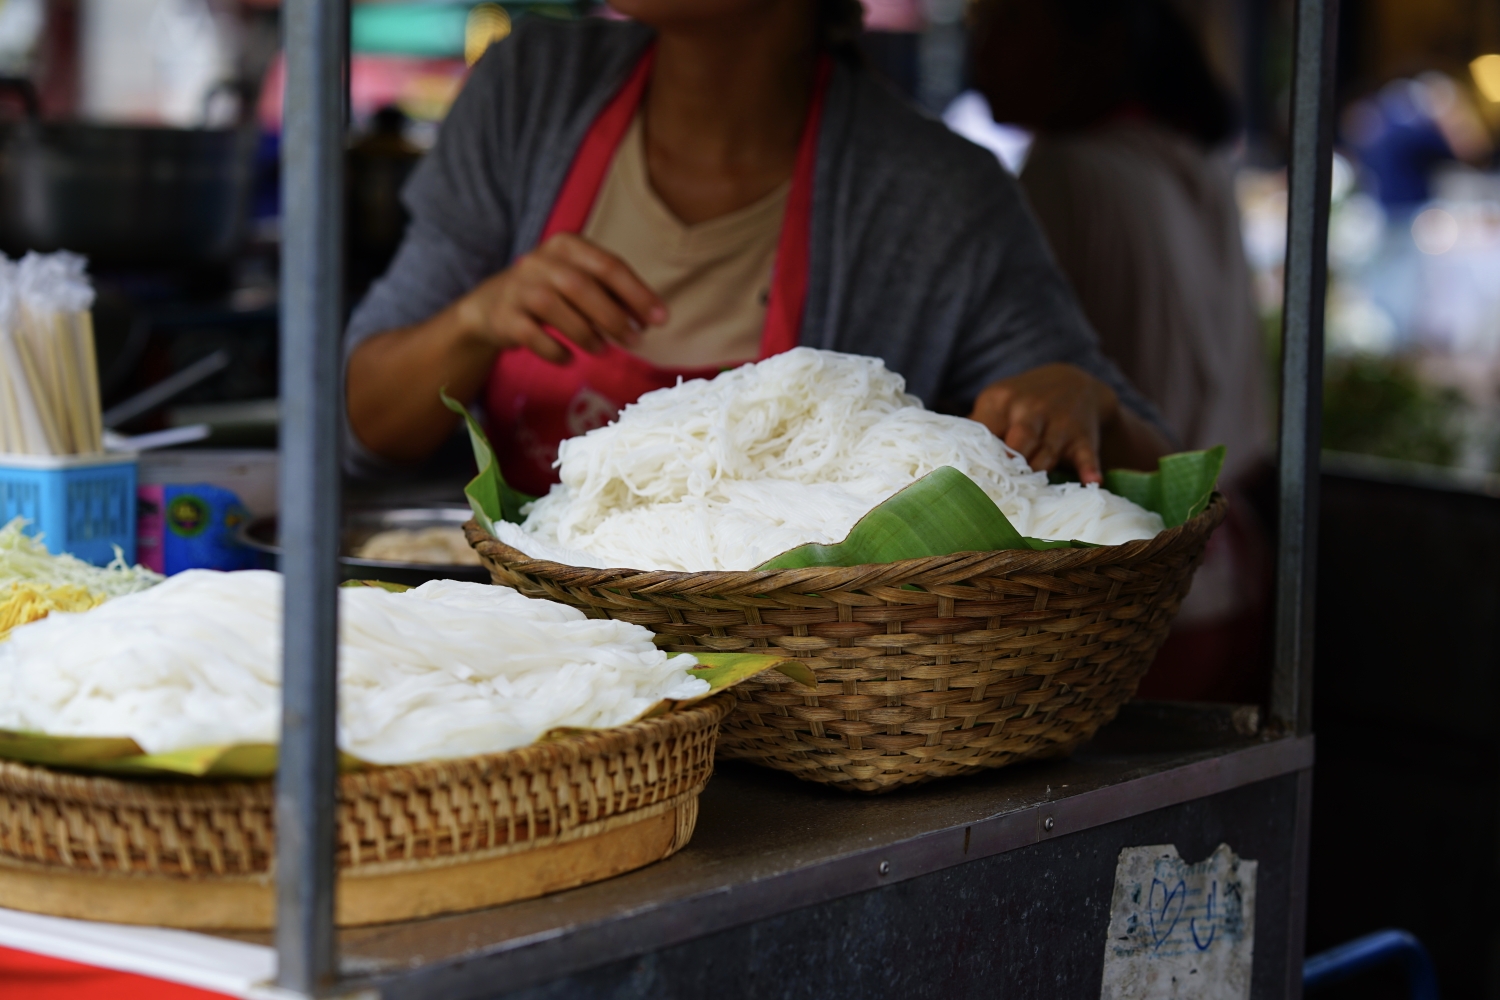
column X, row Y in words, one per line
column 927, row 667
column 431, row 813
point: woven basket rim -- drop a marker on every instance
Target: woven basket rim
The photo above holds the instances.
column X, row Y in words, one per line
column 96, row 789
column 932, row 570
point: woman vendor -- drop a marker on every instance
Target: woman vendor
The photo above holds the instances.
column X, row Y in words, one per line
column 614, row 205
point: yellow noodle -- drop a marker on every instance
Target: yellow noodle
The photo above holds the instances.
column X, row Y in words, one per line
column 21, row 603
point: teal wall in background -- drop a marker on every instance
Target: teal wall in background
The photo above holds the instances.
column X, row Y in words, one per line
column 433, row 30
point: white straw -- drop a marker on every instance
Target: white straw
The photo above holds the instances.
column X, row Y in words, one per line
column 49, row 380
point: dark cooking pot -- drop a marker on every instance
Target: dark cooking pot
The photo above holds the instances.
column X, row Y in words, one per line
column 358, row 527
column 129, row 195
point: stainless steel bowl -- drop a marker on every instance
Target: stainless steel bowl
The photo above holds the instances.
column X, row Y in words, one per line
column 361, row 525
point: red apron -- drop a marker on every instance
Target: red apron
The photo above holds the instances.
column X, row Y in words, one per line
column 533, row 404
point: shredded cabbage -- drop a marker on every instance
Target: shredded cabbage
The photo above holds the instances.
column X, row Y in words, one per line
column 24, row 559
column 727, row 473
column 449, row 669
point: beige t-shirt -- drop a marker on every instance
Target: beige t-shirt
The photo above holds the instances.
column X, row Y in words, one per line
column 715, row 277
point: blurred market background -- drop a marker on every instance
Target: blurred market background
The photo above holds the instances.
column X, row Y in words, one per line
column 1413, row 320
column 1413, row 369
column 1407, row 663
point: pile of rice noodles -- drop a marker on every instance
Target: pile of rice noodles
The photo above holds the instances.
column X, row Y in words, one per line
column 446, row 670
column 728, row 473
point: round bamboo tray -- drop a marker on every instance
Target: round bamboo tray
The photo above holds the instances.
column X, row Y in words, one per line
column 927, row 668
column 413, row 841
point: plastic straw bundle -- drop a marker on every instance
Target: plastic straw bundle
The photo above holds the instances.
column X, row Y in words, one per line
column 49, row 380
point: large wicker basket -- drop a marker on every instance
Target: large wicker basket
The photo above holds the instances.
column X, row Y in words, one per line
column 413, row 841
column 927, row 667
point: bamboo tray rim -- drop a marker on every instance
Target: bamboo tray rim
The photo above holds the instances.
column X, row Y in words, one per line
column 368, row 895
column 566, row 830
column 78, row 783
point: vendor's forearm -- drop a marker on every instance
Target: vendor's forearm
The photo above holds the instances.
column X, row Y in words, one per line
column 394, row 379
column 1131, row 442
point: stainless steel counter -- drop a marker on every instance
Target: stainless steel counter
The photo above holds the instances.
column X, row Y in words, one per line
column 768, row 844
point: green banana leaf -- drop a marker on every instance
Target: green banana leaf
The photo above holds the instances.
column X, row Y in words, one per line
column 490, row 496
column 725, row 670
column 393, row 588
column 1180, row 488
column 124, row 757
column 946, row 512
column 943, row 512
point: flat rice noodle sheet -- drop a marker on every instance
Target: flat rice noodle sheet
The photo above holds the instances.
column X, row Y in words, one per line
column 124, row 757
column 945, row 512
column 722, row 671
column 490, row 496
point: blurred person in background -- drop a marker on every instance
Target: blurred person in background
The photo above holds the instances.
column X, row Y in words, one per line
column 1127, row 179
column 613, row 206
column 1419, row 146
column 1407, row 128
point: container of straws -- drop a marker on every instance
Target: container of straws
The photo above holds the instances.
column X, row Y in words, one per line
column 54, row 470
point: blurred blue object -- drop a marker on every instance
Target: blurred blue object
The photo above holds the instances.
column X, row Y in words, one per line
column 84, row 505
column 1362, row 954
column 1398, row 141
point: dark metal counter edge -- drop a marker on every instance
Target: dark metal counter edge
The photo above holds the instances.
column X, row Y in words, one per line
column 518, row 963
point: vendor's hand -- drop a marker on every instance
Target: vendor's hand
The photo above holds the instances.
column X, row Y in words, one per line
column 1051, row 413
column 586, row 293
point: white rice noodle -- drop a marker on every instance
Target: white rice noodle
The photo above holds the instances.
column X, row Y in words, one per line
column 449, row 669
column 727, row 473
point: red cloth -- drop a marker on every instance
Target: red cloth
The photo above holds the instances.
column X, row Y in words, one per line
column 27, row 976
column 533, row 404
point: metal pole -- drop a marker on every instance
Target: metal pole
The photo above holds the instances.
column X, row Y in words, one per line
column 1308, row 176
column 941, row 54
column 311, row 315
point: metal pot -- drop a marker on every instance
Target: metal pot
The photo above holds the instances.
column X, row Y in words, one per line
column 124, row 195
column 358, row 527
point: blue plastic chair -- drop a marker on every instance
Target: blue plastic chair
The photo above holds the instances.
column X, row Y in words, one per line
column 1350, row 959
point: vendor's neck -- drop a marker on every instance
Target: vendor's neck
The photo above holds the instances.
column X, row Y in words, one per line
column 724, row 115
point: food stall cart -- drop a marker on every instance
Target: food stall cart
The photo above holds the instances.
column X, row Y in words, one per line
column 1012, row 883
column 1175, row 845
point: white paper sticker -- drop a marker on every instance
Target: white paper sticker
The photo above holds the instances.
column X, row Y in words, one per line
column 1178, row 930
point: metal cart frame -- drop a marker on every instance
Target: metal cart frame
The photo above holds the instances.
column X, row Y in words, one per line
column 994, row 824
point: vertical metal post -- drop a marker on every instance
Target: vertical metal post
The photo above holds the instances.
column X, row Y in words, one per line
column 315, row 35
column 1309, row 171
column 1308, row 177
column 941, row 54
